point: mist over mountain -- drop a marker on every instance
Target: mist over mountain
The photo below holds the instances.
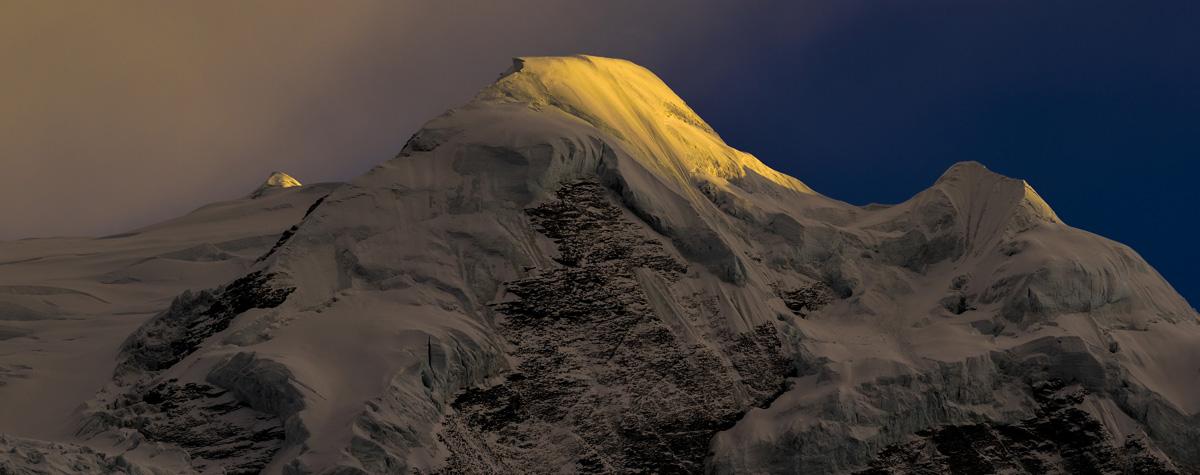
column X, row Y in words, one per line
column 573, row 272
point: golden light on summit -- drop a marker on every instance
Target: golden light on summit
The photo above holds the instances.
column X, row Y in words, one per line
column 277, row 180
column 633, row 104
column 281, row 180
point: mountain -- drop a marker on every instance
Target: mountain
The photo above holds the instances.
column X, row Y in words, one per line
column 574, row 273
column 274, row 181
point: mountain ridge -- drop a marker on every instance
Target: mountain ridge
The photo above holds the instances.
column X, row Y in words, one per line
column 573, row 272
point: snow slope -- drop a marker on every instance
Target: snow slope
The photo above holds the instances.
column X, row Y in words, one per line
column 67, row 303
column 573, row 272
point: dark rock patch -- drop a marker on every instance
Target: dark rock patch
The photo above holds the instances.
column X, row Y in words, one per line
column 175, row 333
column 218, row 432
column 1060, row 438
column 804, row 300
column 604, row 385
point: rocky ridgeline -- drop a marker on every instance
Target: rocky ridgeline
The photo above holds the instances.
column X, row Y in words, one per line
column 1060, row 438
column 216, row 429
column 603, row 384
column 174, row 334
column 221, row 424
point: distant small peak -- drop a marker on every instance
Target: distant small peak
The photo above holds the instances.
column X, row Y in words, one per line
column 276, row 180
column 969, row 168
column 281, row 180
column 968, row 180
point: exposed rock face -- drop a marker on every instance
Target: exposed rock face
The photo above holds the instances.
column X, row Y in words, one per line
column 604, row 383
column 1060, row 438
column 176, row 333
column 233, row 422
column 218, row 431
column 806, row 299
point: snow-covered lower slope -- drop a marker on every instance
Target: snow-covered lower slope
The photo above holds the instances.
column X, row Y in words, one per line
column 573, row 273
column 66, row 304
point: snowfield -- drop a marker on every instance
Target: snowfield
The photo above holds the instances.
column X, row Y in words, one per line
column 574, row 273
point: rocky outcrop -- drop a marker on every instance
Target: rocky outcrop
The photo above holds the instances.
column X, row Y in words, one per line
column 606, row 381
column 265, row 386
column 1060, row 438
column 839, row 430
column 805, row 299
column 172, row 335
column 218, row 431
column 236, row 421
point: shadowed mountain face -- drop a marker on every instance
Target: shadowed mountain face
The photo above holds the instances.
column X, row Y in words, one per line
column 573, row 273
column 1060, row 437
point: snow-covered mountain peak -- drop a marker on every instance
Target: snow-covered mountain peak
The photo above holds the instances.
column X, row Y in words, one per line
column 276, row 180
column 972, row 182
column 573, row 272
column 633, row 105
column 280, row 180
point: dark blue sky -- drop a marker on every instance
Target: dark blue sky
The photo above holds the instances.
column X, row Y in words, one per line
column 1095, row 104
